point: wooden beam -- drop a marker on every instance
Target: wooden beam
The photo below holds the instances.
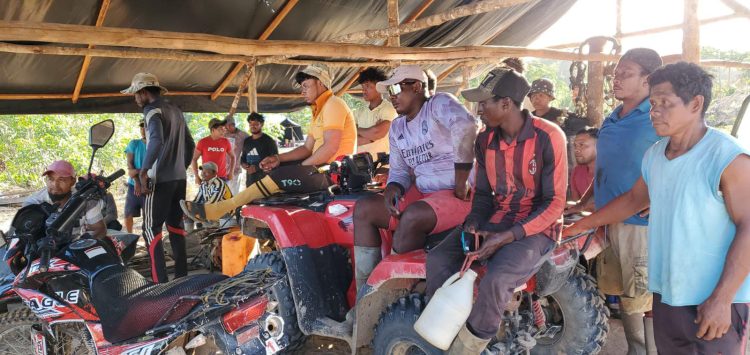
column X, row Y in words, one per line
column 160, row 54
column 725, row 64
column 124, row 37
column 413, row 16
column 349, row 82
column 87, row 59
column 654, row 30
column 117, row 94
column 288, row 6
column 737, row 7
column 497, row 33
column 393, row 21
column 418, row 11
column 691, row 37
column 200, row 57
column 476, row 8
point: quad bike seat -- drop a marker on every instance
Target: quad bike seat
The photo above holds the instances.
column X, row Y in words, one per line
column 128, row 304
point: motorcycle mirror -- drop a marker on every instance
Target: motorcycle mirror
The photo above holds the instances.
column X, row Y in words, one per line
column 100, row 133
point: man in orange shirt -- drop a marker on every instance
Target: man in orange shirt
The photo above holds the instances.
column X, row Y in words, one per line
column 332, row 133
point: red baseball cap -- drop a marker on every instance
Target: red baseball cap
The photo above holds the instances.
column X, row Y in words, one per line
column 61, row 168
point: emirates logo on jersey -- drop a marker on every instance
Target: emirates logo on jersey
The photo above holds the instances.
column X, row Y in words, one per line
column 532, row 165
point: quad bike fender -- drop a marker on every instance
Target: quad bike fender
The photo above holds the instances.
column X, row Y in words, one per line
column 294, row 226
column 392, row 279
column 555, row 271
column 288, row 223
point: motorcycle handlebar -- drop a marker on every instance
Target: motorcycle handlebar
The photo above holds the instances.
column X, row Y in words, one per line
column 116, row 175
column 45, row 253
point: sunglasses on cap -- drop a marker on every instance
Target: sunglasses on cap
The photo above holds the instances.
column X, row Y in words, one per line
column 396, row 89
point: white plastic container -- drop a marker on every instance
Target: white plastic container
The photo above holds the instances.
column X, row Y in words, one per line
column 448, row 310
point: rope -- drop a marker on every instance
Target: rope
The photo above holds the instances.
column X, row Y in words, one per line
column 256, row 280
column 470, row 258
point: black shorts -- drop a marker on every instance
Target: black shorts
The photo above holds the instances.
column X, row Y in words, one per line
column 133, row 204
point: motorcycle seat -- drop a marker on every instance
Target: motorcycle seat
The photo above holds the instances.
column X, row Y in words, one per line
column 128, row 304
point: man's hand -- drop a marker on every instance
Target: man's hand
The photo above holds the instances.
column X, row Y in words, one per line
column 143, row 177
column 230, row 176
column 471, row 224
column 250, row 169
column 573, row 229
column 392, row 195
column 573, row 207
column 133, row 173
column 269, row 163
column 714, row 318
column 461, row 191
column 491, row 244
column 137, row 187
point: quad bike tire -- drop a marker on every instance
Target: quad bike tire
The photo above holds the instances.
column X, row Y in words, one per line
column 585, row 318
column 281, row 293
column 395, row 334
column 15, row 332
column 15, row 336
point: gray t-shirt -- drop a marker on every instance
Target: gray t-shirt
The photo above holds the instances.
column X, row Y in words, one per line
column 428, row 147
column 92, row 215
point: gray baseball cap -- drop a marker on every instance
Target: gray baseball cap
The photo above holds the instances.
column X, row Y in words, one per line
column 501, row 82
column 209, row 165
column 143, row 80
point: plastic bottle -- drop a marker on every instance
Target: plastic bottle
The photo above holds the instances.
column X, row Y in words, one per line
column 448, row 310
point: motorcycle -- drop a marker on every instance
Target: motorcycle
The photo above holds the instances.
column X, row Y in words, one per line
column 80, row 298
column 559, row 310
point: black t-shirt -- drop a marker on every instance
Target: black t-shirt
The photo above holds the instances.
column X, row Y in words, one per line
column 255, row 150
column 570, row 123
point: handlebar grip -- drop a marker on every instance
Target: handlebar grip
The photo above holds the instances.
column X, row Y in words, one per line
column 116, row 175
column 46, row 254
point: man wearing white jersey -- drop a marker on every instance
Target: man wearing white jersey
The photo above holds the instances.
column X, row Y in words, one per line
column 431, row 144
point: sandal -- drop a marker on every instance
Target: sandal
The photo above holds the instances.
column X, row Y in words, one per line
column 194, row 211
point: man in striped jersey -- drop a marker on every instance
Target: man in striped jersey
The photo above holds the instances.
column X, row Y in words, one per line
column 521, row 180
column 212, row 188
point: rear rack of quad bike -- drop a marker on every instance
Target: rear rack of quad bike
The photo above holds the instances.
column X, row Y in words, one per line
column 220, row 297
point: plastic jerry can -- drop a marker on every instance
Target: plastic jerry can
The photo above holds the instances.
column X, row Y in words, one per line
column 235, row 251
column 448, row 310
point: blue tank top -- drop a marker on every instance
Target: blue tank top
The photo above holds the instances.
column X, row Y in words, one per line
column 690, row 230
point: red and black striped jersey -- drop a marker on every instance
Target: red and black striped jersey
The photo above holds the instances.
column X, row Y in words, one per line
column 522, row 185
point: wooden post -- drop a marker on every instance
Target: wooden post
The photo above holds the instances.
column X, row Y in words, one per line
column 465, row 78
column 87, row 59
column 393, row 19
column 691, row 39
column 618, row 23
column 252, row 91
column 245, row 79
column 595, row 86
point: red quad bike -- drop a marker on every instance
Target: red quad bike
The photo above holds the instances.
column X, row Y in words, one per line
column 81, row 299
column 559, row 311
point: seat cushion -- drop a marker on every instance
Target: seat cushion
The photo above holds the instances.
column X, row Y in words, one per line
column 128, row 304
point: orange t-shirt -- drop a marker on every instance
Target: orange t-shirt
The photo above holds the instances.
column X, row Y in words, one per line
column 331, row 112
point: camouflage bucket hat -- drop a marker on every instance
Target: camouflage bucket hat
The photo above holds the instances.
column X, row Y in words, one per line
column 544, row 86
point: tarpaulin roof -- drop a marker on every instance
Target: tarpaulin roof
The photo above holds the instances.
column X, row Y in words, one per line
column 309, row 20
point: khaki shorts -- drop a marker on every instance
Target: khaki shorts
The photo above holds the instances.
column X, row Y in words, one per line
column 622, row 267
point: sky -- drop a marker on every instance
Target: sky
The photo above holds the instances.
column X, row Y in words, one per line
column 599, row 17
